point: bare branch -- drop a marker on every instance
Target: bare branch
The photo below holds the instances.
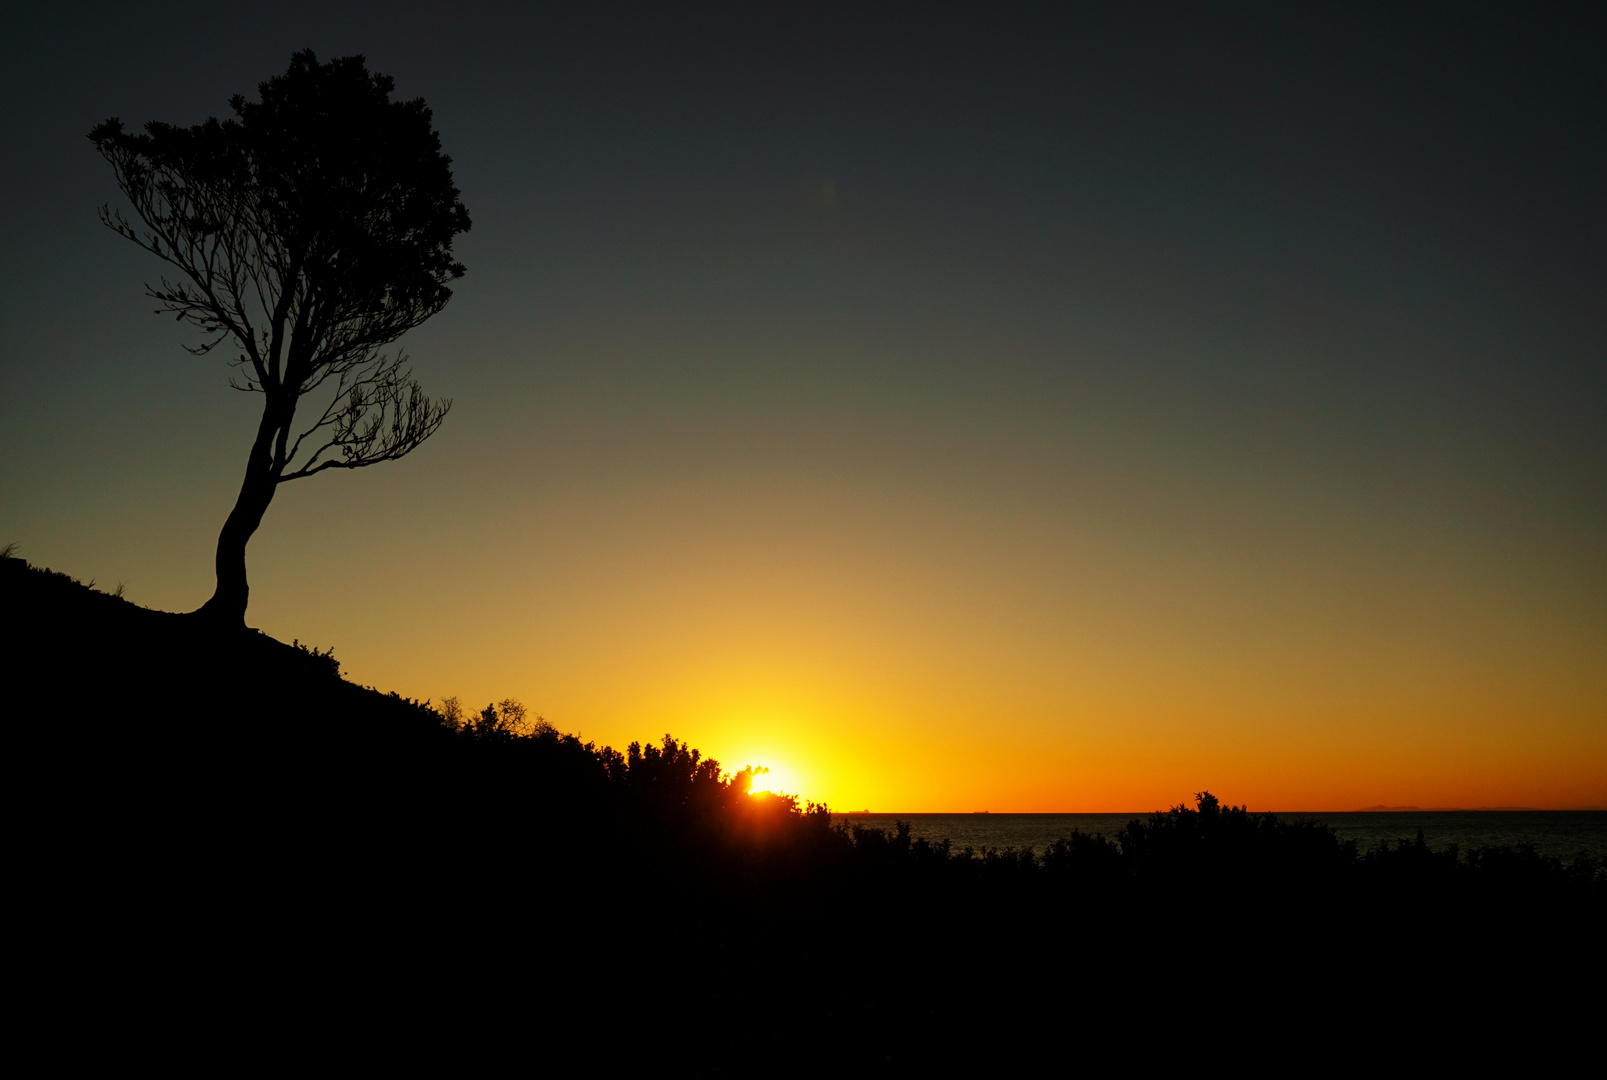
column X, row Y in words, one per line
column 379, row 415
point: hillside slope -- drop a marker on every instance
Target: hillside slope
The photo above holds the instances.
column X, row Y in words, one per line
column 226, row 807
column 102, row 660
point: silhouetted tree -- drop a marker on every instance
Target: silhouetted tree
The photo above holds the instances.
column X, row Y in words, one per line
column 309, row 232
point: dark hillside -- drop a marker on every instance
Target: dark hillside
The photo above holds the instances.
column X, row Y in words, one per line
column 71, row 639
column 226, row 807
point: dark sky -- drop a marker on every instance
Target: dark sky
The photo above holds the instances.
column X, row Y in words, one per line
column 1167, row 341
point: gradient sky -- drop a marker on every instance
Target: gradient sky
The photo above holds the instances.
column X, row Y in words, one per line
column 952, row 409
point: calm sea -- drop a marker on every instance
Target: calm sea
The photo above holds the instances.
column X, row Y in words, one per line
column 1563, row 833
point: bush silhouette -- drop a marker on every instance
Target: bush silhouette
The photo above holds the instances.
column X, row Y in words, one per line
column 227, row 802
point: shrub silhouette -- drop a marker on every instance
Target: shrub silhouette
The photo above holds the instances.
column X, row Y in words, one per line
column 325, row 658
column 225, row 802
column 656, row 806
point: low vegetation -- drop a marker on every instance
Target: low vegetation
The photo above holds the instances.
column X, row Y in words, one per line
column 243, row 782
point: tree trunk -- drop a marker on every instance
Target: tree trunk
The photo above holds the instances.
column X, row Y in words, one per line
column 228, row 604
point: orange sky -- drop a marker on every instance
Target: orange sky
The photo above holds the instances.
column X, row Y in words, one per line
column 1025, row 639
column 1006, row 604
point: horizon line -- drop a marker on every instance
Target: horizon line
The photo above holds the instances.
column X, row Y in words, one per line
column 1141, row 813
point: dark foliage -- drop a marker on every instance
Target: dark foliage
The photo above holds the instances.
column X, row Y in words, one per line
column 306, row 233
column 199, row 791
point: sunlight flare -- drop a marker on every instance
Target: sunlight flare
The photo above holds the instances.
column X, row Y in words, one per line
column 773, row 779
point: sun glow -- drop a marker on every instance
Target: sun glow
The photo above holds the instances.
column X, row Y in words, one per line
column 774, row 780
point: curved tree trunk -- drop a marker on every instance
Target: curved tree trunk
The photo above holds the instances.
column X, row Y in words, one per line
column 228, row 604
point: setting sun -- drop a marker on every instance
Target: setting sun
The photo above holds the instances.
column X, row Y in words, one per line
column 776, row 780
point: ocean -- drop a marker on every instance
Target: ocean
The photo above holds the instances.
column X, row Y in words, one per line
column 1562, row 833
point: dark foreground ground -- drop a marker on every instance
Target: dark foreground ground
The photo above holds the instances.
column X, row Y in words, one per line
column 228, row 854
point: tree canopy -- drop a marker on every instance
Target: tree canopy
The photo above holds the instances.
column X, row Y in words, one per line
column 304, row 234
